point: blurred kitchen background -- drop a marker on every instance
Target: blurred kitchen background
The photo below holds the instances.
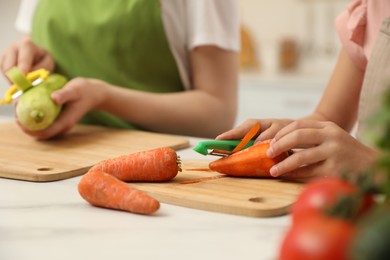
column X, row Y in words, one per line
column 289, row 48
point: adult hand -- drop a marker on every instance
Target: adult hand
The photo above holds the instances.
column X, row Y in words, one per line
column 268, row 129
column 27, row 56
column 324, row 149
column 78, row 97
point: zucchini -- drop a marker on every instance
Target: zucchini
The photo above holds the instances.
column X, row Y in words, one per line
column 35, row 109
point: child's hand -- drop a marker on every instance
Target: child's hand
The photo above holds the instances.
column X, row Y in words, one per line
column 78, row 97
column 269, row 127
column 325, row 149
column 27, row 56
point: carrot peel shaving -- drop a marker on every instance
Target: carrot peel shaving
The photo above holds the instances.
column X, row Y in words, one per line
column 252, row 133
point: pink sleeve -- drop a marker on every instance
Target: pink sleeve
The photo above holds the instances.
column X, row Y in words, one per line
column 350, row 26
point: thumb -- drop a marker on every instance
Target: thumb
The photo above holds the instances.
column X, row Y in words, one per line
column 58, row 97
column 63, row 95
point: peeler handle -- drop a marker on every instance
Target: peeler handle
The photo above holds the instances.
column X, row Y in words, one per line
column 226, row 145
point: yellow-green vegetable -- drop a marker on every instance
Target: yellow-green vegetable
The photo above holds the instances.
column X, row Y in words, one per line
column 17, row 77
column 35, row 109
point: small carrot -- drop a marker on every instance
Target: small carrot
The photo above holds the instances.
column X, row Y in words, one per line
column 161, row 164
column 250, row 162
column 104, row 190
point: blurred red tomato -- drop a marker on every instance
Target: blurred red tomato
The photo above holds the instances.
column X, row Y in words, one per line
column 319, row 238
column 322, row 194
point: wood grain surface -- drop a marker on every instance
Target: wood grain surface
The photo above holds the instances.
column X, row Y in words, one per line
column 195, row 187
column 24, row 158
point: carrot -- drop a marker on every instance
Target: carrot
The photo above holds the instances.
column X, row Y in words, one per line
column 104, row 190
column 104, row 184
column 250, row 162
column 251, row 133
column 161, row 164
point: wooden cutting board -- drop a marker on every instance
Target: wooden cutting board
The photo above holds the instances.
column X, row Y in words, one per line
column 197, row 188
column 23, row 158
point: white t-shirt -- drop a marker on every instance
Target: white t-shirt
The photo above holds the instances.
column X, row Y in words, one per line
column 187, row 23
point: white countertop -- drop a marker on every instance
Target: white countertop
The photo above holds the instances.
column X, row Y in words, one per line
column 51, row 221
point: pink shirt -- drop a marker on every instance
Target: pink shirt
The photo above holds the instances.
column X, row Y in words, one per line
column 358, row 28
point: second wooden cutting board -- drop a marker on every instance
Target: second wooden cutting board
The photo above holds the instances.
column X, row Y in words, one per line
column 23, row 158
column 195, row 187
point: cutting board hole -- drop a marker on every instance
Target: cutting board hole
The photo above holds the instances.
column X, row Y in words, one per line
column 257, row 199
column 44, row 169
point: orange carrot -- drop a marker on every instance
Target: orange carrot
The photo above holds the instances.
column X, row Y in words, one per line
column 251, row 133
column 250, row 162
column 161, row 164
column 104, row 190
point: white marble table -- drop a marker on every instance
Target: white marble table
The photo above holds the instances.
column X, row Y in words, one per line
column 51, row 221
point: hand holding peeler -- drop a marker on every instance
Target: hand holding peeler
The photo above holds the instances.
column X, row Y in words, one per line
column 22, row 83
column 227, row 147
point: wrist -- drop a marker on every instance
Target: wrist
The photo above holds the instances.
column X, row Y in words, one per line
column 102, row 92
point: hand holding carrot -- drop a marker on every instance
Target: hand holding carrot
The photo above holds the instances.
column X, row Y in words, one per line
column 269, row 127
column 323, row 149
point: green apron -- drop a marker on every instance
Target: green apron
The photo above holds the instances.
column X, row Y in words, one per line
column 122, row 42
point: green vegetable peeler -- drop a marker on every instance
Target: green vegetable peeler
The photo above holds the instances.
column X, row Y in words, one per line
column 219, row 145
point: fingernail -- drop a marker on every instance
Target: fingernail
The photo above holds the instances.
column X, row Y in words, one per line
column 273, row 141
column 270, row 152
column 56, row 98
column 274, row 171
